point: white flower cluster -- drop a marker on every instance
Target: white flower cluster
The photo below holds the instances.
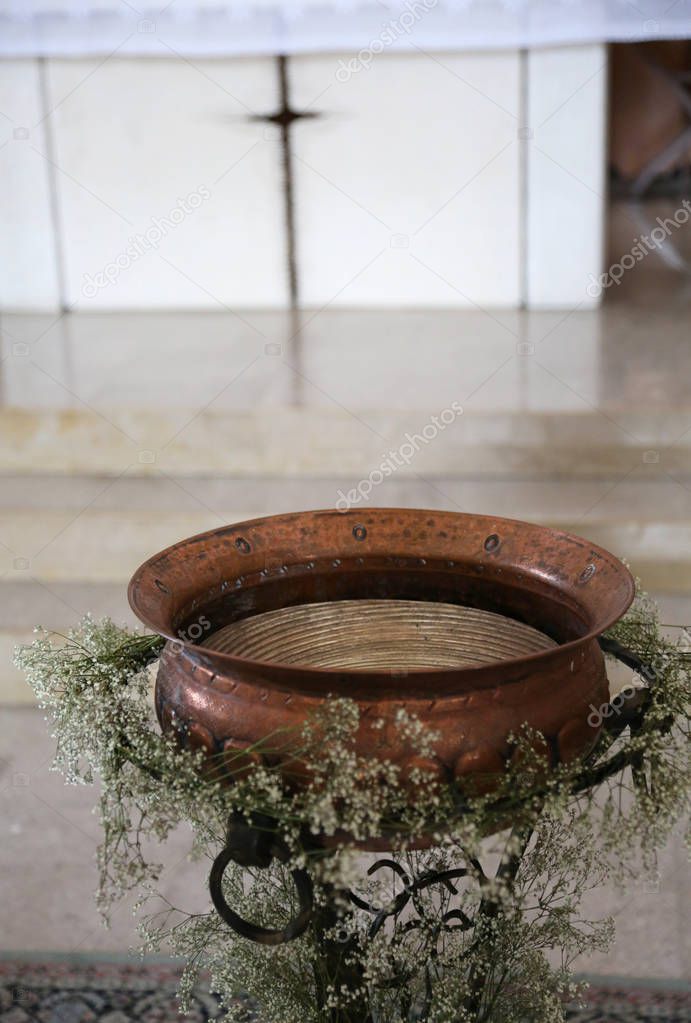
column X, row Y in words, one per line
column 431, row 934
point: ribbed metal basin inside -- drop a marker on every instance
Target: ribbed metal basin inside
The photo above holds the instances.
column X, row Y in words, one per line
column 379, row 634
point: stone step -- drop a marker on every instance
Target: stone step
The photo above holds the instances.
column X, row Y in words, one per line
column 107, row 546
column 98, row 530
column 56, row 606
column 656, row 495
column 311, row 442
column 69, row 545
column 330, row 392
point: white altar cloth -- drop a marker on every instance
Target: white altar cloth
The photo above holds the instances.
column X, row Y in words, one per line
column 215, row 28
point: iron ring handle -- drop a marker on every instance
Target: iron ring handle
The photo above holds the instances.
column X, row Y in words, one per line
column 627, row 657
column 637, row 704
column 253, row 932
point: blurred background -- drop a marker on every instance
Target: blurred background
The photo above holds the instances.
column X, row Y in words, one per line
column 248, row 252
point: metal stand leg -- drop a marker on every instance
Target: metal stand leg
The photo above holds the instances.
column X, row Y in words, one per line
column 339, row 965
column 338, row 960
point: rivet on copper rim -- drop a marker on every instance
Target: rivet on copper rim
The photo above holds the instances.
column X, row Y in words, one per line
column 587, row 573
column 359, row 532
column 243, row 545
column 492, row 543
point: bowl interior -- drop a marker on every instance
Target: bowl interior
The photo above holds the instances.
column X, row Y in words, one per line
column 396, row 635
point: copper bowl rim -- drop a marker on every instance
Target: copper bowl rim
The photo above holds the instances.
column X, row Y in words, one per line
column 198, row 653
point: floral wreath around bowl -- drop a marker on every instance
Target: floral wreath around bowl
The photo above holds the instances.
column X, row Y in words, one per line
column 321, row 932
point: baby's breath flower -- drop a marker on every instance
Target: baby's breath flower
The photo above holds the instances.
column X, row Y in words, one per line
column 473, row 947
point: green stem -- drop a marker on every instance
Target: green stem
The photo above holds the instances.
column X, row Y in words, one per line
column 337, row 965
column 488, row 911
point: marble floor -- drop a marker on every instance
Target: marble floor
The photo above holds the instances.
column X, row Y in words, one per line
column 629, row 356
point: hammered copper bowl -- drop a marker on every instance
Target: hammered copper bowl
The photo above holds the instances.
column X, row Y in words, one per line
column 476, row 625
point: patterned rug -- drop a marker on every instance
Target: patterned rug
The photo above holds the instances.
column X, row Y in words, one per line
column 88, row 990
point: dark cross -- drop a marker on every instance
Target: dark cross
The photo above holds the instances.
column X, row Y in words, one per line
column 284, row 118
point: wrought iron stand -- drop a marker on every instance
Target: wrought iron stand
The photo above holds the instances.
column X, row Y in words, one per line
column 254, row 843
